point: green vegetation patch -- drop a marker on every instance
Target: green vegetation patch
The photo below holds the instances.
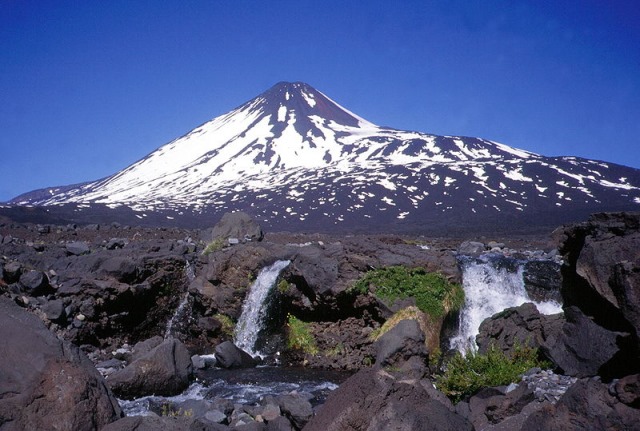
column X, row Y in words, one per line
column 213, row 246
column 466, row 375
column 407, row 313
column 299, row 336
column 433, row 293
column 228, row 327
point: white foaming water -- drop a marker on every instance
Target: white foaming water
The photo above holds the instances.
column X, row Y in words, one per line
column 180, row 310
column 489, row 289
column 253, row 310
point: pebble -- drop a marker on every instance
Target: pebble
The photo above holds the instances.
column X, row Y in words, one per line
column 547, row 385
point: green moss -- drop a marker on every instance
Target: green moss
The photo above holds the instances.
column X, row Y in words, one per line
column 433, row 293
column 227, row 324
column 404, row 314
column 466, row 375
column 299, row 336
column 213, row 246
column 283, row 286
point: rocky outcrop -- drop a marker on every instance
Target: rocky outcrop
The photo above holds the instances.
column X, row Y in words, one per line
column 601, row 276
column 402, row 344
column 237, row 225
column 523, row 326
column 588, row 405
column 164, row 370
column 47, row 383
column 374, row 399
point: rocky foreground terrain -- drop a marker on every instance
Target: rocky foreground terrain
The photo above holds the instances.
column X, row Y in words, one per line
column 78, row 299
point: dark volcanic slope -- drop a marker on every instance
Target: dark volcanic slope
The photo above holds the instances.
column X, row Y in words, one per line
column 298, row 161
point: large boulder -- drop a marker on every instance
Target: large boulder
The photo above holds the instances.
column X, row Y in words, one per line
column 163, row 370
column 238, row 225
column 401, row 343
column 228, row 355
column 47, row 383
column 582, row 348
column 373, row 399
column 522, row 325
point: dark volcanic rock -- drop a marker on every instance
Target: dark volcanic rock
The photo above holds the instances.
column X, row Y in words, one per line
column 239, row 225
column 402, row 342
column 164, row 370
column 372, row 399
column 522, row 325
column 587, row 405
column 35, row 283
column 228, row 355
column 77, row 248
column 542, row 280
column 582, row 348
column 47, row 383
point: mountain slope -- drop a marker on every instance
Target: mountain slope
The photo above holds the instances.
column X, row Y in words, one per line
column 296, row 159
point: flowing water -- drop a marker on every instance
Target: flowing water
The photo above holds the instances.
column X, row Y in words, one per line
column 181, row 309
column 491, row 284
column 254, row 308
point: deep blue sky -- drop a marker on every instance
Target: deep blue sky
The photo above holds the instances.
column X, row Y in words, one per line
column 89, row 87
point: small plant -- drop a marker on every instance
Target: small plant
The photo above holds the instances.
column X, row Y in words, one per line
column 227, row 324
column 339, row 349
column 299, row 336
column 283, row 286
column 433, row 293
column 168, row 411
column 466, row 375
column 213, row 246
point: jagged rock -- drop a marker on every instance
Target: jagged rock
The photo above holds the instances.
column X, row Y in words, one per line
column 471, row 248
column 77, row 248
column 297, row 408
column 12, row 271
column 54, row 310
column 238, row 225
column 582, row 347
column 228, row 355
column 47, row 383
column 122, row 268
column 522, row 325
column 542, row 280
column 115, row 243
column 164, row 370
column 628, row 390
column 373, row 399
column 35, row 283
column 587, row 405
column 317, row 267
column 402, row 342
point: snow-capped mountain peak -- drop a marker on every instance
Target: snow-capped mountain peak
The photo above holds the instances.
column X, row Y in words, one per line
column 294, row 155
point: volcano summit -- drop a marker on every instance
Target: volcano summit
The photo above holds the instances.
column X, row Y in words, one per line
column 296, row 160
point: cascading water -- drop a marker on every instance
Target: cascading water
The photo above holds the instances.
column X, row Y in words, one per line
column 490, row 287
column 184, row 302
column 254, row 310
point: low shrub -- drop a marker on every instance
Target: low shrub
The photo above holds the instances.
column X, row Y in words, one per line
column 228, row 327
column 213, row 246
column 465, row 375
column 299, row 336
column 433, row 293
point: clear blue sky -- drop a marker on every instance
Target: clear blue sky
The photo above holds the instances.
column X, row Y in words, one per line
column 88, row 87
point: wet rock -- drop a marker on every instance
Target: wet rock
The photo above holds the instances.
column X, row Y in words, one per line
column 153, row 423
column 164, row 370
column 228, row 355
column 522, row 325
column 542, row 280
column 47, row 383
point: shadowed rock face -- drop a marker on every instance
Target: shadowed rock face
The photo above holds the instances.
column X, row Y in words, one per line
column 47, row 383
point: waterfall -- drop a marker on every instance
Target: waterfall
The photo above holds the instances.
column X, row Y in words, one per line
column 179, row 312
column 253, row 309
column 491, row 283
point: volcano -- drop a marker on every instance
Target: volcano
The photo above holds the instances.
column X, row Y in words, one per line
column 298, row 161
